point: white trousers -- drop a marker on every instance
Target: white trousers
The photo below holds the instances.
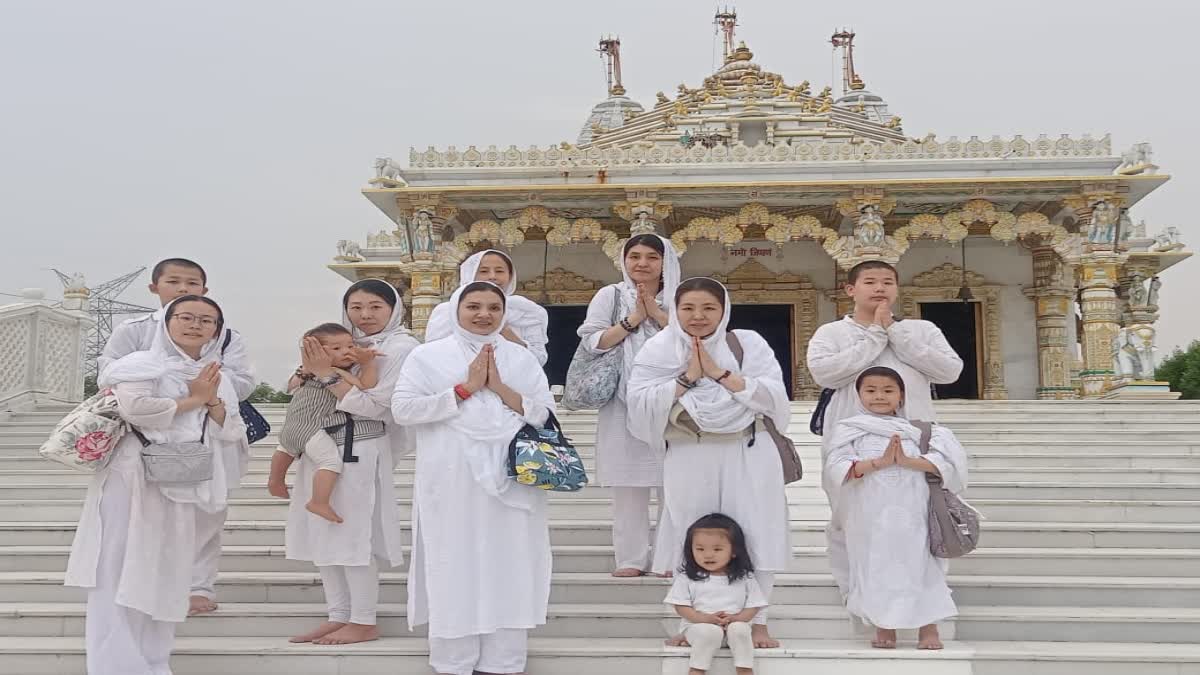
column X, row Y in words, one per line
column 501, row 652
column 351, row 592
column 707, row 638
column 208, row 552
column 631, row 527
column 120, row 640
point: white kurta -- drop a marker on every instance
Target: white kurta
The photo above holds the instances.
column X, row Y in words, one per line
column 136, row 335
column 621, row 459
column 365, row 496
column 720, row 472
column 894, row 581
column 481, row 543
column 157, row 571
column 838, row 352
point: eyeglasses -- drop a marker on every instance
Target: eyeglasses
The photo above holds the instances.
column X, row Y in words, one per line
column 205, row 321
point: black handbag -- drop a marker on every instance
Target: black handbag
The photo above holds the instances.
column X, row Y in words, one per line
column 257, row 427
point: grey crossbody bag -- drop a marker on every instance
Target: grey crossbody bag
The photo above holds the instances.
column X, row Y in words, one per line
column 178, row 462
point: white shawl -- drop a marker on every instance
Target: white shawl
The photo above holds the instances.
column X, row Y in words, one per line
column 713, row 407
column 394, row 328
column 171, row 370
column 483, row 418
column 526, row 317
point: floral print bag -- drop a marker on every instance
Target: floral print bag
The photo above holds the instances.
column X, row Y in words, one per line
column 85, row 438
column 545, row 459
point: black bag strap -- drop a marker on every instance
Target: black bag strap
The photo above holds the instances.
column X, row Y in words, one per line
column 146, row 443
column 348, row 446
column 228, row 339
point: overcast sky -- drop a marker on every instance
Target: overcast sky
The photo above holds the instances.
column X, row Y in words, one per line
column 240, row 133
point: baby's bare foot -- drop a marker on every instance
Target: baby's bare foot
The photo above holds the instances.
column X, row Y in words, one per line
column 324, row 510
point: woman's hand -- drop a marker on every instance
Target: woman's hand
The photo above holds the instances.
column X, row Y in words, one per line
column 493, row 373
column 707, row 363
column 314, row 359
column 649, row 305
column 204, row 387
column 477, row 372
column 638, row 315
column 695, row 369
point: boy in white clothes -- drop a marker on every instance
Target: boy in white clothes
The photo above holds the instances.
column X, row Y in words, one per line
column 870, row 336
column 170, row 279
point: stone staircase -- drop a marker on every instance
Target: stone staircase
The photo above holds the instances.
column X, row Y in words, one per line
column 1091, row 564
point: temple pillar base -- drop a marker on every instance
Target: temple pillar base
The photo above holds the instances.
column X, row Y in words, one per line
column 1141, row 390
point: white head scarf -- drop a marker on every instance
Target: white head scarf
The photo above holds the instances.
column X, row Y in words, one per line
column 864, row 422
column 394, row 327
column 470, row 267
column 473, row 342
column 627, row 297
column 171, row 369
column 523, row 314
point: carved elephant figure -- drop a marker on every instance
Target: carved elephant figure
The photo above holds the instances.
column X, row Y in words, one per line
column 349, row 249
column 385, row 167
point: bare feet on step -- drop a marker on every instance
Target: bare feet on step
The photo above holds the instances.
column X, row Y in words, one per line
column 318, row 632
column 678, row 641
column 626, row 572
column 349, row 634
column 198, row 604
column 324, row 510
column 885, row 638
column 928, row 638
column 762, row 639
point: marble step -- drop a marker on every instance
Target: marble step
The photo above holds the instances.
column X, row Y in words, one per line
column 256, row 487
column 804, row 533
column 806, row 560
column 601, row 588
column 632, row 656
column 828, row 622
column 815, row 508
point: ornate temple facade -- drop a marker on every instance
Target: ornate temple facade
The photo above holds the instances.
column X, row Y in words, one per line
column 1024, row 250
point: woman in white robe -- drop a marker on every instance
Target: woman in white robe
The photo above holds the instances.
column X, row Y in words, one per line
column 632, row 468
column 135, row 543
column 689, row 397
column 480, row 569
column 525, row 321
column 349, row 554
column 894, row 582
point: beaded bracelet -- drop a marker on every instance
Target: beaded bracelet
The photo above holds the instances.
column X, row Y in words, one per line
column 630, row 328
column 724, row 375
column 684, row 382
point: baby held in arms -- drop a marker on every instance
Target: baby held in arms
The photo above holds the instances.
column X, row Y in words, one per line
column 313, row 426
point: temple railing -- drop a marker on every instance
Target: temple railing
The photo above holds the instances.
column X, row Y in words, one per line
column 41, row 355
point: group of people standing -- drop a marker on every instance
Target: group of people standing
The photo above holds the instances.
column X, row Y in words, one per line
column 686, row 422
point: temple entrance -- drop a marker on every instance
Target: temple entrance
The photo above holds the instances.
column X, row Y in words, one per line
column 774, row 323
column 959, row 322
column 564, row 321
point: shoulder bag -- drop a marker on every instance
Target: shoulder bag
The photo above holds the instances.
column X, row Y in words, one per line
column 592, row 379
column 953, row 524
column 545, row 459
column 793, row 470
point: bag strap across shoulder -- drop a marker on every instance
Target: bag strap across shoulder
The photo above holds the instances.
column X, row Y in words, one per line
column 735, row 346
column 228, row 339
column 926, row 436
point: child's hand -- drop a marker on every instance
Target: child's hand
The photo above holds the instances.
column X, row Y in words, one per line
column 363, row 355
column 711, row 618
column 883, row 314
column 894, row 452
column 723, row 619
column 350, row 378
column 278, row 489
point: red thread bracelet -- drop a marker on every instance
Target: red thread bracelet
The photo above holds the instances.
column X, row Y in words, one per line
column 854, row 470
column 462, row 392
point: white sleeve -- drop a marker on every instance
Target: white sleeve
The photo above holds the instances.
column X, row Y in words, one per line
column 538, row 405
column 681, row 591
column 754, row 594
column 599, row 319
column 950, row 458
column 835, row 365
column 765, row 392
column 140, row 407
column 922, row 346
column 535, row 337
column 411, row 405
column 122, row 342
column 235, row 364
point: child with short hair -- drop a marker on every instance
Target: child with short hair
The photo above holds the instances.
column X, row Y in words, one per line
column 716, row 595
column 894, row 581
column 313, row 420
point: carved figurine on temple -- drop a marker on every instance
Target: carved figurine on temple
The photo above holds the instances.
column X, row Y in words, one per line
column 1138, row 295
column 1142, row 338
column 76, row 284
column 1126, row 362
column 349, row 250
column 869, row 232
column 1168, row 240
column 662, row 98
column 1103, row 227
column 385, row 167
column 422, row 232
column 1136, row 159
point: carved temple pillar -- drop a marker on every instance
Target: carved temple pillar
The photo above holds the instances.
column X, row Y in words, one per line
column 434, row 263
column 1098, row 277
column 1053, row 298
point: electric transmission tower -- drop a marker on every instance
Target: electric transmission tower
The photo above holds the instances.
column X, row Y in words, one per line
column 102, row 306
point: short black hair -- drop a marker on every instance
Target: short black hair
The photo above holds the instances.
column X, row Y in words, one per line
column 377, row 287
column 503, row 256
column 879, row 371
column 482, row 286
column 852, row 275
column 197, row 298
column 327, row 330
column 706, row 284
column 650, row 240
column 740, row 565
column 161, row 267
